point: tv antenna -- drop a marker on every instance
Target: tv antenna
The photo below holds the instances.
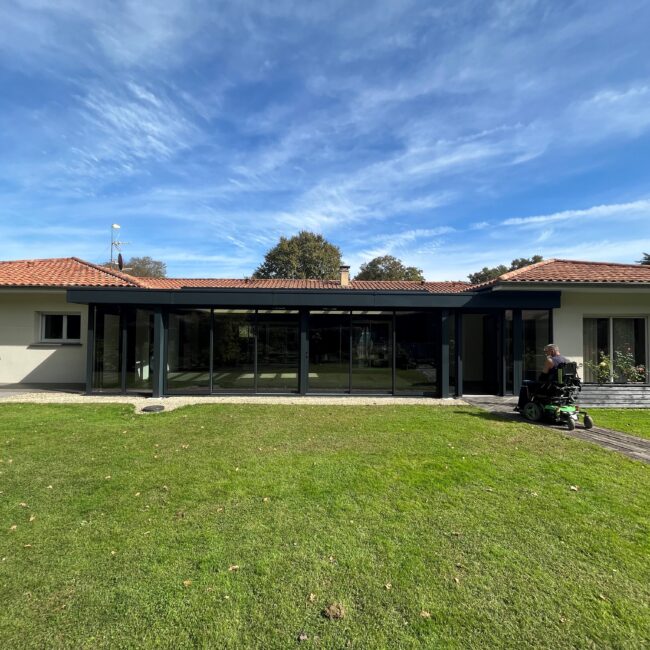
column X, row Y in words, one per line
column 116, row 247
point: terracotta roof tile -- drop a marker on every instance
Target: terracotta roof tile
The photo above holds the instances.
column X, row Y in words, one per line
column 62, row 272
column 579, row 272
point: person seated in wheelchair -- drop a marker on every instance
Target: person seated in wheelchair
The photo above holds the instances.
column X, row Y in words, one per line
column 547, row 377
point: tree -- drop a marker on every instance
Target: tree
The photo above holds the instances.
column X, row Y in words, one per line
column 306, row 255
column 145, row 267
column 645, row 260
column 388, row 267
column 486, row 274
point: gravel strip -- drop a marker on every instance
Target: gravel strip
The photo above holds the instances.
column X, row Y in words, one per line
column 171, row 403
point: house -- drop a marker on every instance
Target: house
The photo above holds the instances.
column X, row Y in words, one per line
column 69, row 322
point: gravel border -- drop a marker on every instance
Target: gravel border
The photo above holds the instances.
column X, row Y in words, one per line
column 171, row 403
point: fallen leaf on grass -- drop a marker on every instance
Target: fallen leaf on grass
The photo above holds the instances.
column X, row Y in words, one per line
column 27, row 545
column 456, row 580
column 425, row 614
column 32, row 517
column 13, row 527
column 233, row 567
column 113, row 552
column 23, row 504
column 187, row 583
column 137, row 494
column 107, row 477
column 602, row 597
column 266, row 499
column 334, row 612
column 302, row 637
column 332, row 559
column 50, row 487
column 574, row 488
column 311, row 598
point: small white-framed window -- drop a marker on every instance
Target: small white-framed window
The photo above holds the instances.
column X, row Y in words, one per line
column 60, row 328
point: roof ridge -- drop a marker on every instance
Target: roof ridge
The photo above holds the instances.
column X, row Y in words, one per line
column 116, row 274
column 509, row 274
column 38, row 259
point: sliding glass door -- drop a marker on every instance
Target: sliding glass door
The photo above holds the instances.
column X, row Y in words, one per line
column 188, row 351
column 278, row 351
column 107, row 364
column 233, row 357
column 372, row 352
column 329, row 352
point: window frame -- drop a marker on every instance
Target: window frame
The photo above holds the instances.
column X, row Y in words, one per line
column 64, row 334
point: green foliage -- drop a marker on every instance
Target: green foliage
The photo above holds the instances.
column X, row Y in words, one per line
column 306, row 255
column 388, row 267
column 127, row 526
column 622, row 368
column 601, row 369
column 145, row 267
column 645, row 260
column 486, row 274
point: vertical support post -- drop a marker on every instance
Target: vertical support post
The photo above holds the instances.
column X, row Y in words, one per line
column 394, row 355
column 459, row 353
column 123, row 317
column 158, row 357
column 304, row 352
column 90, row 349
column 211, row 362
column 517, row 350
column 501, row 329
column 444, row 353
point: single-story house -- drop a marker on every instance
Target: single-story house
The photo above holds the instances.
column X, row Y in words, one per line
column 68, row 322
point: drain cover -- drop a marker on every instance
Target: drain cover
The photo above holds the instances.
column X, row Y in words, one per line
column 154, row 408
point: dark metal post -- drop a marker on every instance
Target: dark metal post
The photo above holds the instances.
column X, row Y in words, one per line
column 459, row 353
column 304, row 352
column 90, row 349
column 124, row 312
column 158, row 357
column 394, row 355
column 517, row 349
column 444, row 353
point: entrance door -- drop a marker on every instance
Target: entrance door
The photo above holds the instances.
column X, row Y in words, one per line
column 480, row 354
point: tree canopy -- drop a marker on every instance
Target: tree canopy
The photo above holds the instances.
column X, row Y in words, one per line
column 645, row 260
column 305, row 255
column 145, row 267
column 486, row 273
column 388, row 267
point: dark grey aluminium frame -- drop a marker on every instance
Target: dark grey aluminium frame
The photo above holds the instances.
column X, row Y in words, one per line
column 161, row 300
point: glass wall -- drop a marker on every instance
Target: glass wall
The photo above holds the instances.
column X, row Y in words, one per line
column 372, row 352
column 188, row 351
column 508, row 350
column 139, row 349
column 536, row 324
column 417, row 336
column 233, row 364
column 108, row 350
column 278, row 351
column 329, row 351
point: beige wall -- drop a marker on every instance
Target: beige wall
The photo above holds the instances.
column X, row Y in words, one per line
column 567, row 321
column 22, row 358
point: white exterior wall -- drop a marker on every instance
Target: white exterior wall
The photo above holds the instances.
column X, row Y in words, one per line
column 576, row 305
column 23, row 359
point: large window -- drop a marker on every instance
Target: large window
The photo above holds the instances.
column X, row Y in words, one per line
column 537, row 334
column 139, row 349
column 278, row 351
column 234, row 350
column 614, row 349
column 107, row 366
column 372, row 352
column 329, row 351
column 416, row 366
column 188, row 351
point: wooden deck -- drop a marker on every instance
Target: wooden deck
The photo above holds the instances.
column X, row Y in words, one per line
column 631, row 446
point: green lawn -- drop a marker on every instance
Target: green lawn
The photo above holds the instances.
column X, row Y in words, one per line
column 433, row 527
column 633, row 421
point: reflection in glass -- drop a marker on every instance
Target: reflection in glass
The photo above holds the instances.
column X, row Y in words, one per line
column 372, row 353
column 234, row 350
column 278, row 351
column 108, row 350
column 415, row 352
column 139, row 349
column 536, row 336
column 329, row 352
column 188, row 351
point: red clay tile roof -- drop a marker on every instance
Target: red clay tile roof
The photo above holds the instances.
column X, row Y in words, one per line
column 62, row 272
column 358, row 285
column 574, row 271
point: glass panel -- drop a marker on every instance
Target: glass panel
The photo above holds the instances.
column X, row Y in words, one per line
column 536, row 336
column 508, row 353
column 53, row 329
column 417, row 336
column 329, row 352
column 108, row 350
column 372, row 354
column 234, row 351
column 451, row 319
column 278, row 351
column 629, row 349
column 595, row 343
column 139, row 349
column 73, row 327
column 188, row 351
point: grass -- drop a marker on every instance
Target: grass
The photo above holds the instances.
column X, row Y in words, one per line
column 434, row 528
column 633, row 421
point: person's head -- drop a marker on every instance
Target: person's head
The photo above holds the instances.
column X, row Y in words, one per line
column 551, row 350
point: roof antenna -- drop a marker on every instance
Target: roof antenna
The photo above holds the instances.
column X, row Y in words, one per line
column 116, row 247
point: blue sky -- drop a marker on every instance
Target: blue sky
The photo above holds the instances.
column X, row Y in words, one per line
column 453, row 135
